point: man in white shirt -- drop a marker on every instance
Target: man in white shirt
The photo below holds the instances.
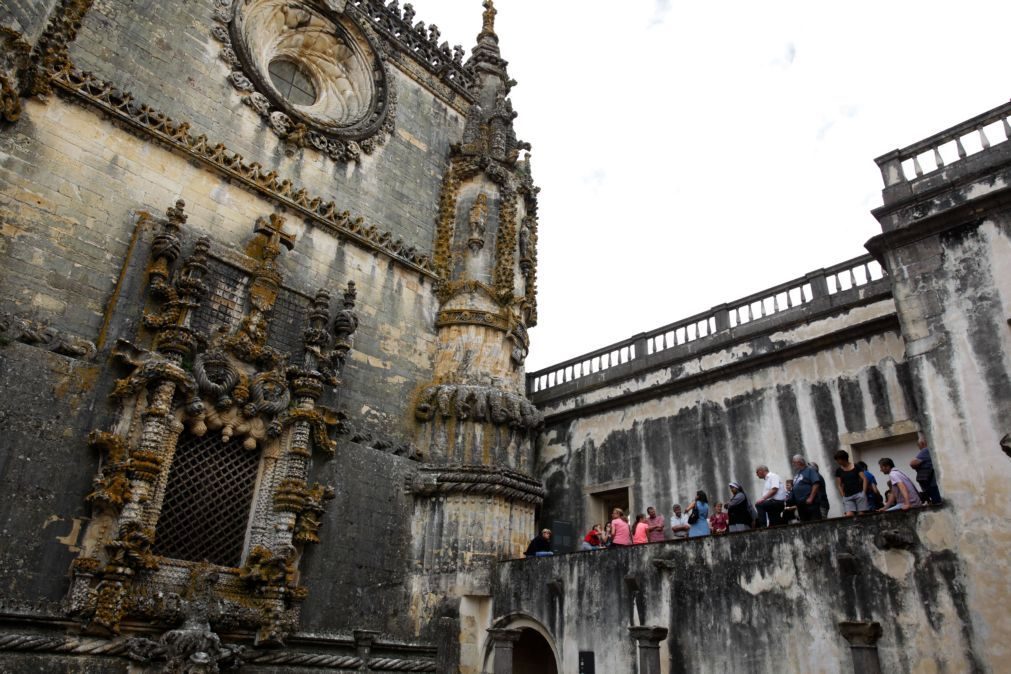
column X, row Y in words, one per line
column 770, row 505
column 679, row 523
column 903, row 494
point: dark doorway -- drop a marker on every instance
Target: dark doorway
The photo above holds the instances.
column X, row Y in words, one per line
column 603, row 502
column 532, row 654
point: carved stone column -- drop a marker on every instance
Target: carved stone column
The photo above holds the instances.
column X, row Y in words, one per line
column 863, row 640
column 504, row 641
column 648, row 638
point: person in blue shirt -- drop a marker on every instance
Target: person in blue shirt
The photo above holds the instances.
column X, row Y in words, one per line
column 806, row 485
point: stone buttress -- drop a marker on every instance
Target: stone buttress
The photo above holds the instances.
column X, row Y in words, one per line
column 475, row 499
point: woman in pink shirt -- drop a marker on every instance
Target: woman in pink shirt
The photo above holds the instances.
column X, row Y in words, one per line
column 639, row 536
column 620, row 535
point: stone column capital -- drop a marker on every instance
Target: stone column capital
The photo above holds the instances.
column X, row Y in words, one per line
column 365, row 637
column 504, row 636
column 648, row 635
column 861, row 634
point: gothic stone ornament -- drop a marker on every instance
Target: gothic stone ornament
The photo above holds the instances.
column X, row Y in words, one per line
column 229, row 387
column 477, row 403
column 312, row 72
column 489, row 148
column 193, row 648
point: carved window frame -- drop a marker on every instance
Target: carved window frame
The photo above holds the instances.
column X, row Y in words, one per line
column 231, row 383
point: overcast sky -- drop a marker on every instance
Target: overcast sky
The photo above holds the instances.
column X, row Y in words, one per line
column 690, row 153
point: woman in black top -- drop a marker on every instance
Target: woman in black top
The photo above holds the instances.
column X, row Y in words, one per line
column 852, row 483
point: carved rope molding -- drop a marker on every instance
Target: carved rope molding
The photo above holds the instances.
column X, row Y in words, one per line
column 120, row 104
column 35, row 643
column 476, row 481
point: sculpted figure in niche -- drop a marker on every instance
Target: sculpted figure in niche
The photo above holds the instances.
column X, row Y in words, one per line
column 477, row 220
column 525, row 242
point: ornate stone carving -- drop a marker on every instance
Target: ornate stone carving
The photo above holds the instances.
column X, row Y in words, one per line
column 490, row 150
column 51, row 55
column 354, row 101
column 193, row 647
column 477, row 403
column 417, row 42
column 471, row 317
column 476, row 481
column 234, row 385
column 36, row 333
column 478, row 215
column 120, row 105
column 111, row 487
column 15, row 65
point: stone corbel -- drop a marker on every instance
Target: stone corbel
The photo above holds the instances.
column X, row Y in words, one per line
column 36, row 333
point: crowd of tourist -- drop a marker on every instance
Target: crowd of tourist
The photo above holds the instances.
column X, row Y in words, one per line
column 803, row 498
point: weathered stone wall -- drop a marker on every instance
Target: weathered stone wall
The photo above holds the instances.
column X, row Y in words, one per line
column 164, row 53
column 72, row 185
column 28, row 17
column 710, row 417
column 947, row 239
column 757, row 601
column 45, row 471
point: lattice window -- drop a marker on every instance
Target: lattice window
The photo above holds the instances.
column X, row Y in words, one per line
column 208, row 501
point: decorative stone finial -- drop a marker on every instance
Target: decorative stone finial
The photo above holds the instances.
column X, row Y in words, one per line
column 489, row 19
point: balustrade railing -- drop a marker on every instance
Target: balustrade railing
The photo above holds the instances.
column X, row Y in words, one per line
column 787, row 296
column 947, row 147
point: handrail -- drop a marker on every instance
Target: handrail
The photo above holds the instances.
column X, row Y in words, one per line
column 790, row 295
column 897, row 165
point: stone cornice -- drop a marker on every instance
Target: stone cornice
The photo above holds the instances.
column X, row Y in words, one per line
column 89, row 89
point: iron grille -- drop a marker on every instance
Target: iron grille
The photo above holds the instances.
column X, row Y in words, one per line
column 207, row 501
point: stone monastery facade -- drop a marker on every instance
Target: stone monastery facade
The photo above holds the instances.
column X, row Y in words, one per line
column 267, row 269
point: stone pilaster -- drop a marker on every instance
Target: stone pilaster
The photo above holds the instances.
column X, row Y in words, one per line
column 648, row 638
column 503, row 642
column 863, row 640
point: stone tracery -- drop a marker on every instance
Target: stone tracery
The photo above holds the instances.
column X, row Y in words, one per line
column 354, row 102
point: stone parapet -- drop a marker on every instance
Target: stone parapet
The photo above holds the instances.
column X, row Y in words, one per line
column 818, row 293
column 764, row 591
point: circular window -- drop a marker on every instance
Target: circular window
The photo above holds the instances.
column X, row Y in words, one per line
column 292, row 82
column 313, row 73
column 312, row 64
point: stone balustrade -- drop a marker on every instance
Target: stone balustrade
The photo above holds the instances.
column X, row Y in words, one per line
column 779, row 301
column 943, row 149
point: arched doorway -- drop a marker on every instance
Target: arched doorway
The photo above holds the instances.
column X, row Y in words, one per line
column 532, row 654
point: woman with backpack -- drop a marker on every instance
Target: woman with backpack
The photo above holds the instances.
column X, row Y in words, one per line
column 698, row 515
